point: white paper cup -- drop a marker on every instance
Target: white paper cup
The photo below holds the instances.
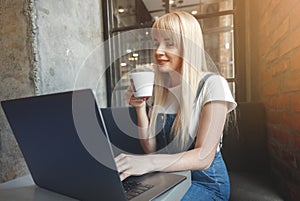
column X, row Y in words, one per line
column 142, row 83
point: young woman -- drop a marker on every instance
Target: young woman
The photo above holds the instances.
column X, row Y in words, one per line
column 184, row 125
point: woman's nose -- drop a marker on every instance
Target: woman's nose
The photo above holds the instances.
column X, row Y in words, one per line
column 160, row 50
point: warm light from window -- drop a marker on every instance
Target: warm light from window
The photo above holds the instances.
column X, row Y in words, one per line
column 194, row 12
column 227, row 46
column 133, row 59
column 121, row 10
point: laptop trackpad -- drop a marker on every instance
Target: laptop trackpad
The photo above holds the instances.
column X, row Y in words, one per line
column 157, row 184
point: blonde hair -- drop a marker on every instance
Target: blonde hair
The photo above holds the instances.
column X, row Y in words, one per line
column 187, row 33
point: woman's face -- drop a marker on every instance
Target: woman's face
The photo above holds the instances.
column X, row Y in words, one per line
column 167, row 54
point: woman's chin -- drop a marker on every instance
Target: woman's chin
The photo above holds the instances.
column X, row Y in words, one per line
column 163, row 68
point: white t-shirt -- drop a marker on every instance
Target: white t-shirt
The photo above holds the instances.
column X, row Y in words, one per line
column 172, row 102
column 214, row 89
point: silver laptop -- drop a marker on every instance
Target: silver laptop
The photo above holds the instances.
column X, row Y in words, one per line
column 66, row 146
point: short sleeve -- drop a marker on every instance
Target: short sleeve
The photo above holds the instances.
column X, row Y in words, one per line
column 216, row 89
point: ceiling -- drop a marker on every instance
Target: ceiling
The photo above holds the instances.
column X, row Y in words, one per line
column 156, row 6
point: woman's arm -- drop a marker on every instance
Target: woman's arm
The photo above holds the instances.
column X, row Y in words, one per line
column 148, row 144
column 211, row 123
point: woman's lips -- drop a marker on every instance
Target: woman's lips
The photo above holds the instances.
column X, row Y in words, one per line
column 162, row 62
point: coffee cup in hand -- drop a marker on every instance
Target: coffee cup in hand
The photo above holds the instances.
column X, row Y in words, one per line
column 142, row 83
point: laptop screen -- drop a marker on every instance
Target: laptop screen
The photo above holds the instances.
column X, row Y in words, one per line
column 64, row 146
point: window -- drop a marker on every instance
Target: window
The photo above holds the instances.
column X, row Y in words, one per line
column 123, row 19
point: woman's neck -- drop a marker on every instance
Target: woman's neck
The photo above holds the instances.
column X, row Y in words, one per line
column 175, row 78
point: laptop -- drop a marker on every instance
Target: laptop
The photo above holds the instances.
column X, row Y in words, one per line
column 122, row 129
column 66, row 146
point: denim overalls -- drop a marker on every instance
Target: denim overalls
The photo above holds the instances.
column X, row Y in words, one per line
column 210, row 184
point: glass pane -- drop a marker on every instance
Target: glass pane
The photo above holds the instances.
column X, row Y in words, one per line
column 131, row 49
column 202, row 6
column 217, row 24
column 125, row 13
column 226, row 69
column 219, row 42
column 157, row 14
column 232, row 88
column 219, row 46
column 156, row 8
column 132, row 12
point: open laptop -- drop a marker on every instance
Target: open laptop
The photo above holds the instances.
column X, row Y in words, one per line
column 66, row 146
column 122, row 129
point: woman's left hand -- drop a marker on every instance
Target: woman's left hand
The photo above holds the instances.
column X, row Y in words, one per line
column 133, row 165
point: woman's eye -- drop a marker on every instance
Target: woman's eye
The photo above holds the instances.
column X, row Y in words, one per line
column 170, row 44
column 166, row 44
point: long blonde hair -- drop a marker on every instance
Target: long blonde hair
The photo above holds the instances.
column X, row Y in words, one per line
column 188, row 36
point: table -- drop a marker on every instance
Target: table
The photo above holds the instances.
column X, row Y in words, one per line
column 24, row 189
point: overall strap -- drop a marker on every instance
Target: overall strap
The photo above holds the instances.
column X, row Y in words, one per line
column 201, row 84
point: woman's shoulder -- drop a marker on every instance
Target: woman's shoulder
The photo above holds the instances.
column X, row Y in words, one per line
column 214, row 79
column 217, row 89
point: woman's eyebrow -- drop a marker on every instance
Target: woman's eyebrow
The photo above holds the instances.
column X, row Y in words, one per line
column 164, row 39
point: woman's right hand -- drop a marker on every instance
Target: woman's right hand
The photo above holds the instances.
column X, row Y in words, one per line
column 133, row 101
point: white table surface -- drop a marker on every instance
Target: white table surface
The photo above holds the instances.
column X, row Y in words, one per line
column 24, row 189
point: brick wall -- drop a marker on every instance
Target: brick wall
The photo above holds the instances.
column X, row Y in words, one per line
column 275, row 65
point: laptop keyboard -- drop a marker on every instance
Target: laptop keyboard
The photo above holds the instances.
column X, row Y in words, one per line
column 133, row 188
